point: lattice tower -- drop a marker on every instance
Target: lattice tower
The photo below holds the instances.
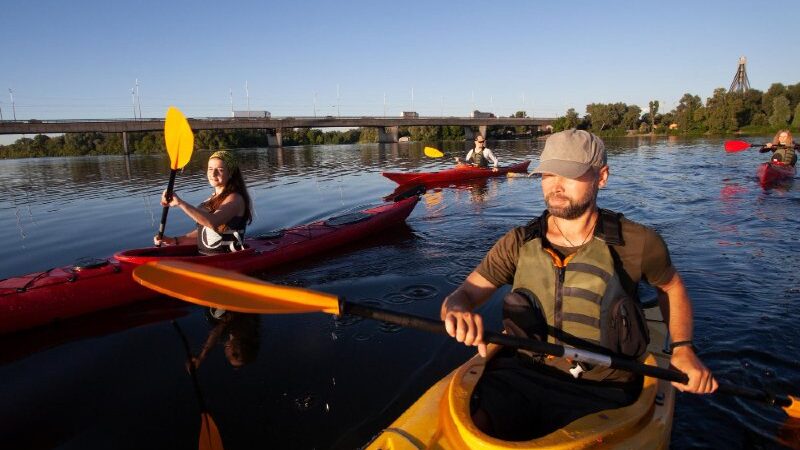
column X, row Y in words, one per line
column 740, row 82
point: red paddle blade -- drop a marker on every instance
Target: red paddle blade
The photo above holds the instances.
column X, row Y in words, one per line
column 736, row 146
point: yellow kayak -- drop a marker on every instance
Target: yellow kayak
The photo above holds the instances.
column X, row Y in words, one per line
column 440, row 419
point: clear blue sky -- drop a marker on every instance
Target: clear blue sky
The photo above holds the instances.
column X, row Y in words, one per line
column 80, row 59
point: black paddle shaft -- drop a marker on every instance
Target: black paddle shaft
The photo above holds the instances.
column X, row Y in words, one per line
column 435, row 326
column 165, row 211
column 614, row 362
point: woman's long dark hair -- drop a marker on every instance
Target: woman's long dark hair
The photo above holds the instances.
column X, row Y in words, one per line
column 236, row 185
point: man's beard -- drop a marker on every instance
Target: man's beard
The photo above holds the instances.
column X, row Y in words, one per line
column 574, row 209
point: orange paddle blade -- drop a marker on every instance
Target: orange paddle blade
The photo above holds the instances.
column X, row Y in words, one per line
column 209, row 434
column 793, row 410
column 224, row 289
column 178, row 137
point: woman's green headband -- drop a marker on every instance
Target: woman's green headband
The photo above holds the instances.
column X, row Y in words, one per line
column 227, row 158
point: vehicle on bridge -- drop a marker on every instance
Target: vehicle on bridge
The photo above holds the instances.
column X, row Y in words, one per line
column 410, row 115
column 252, row 114
column 482, row 115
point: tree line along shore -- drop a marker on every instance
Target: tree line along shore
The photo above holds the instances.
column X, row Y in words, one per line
column 752, row 112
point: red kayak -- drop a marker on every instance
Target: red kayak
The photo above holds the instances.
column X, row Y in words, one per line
column 771, row 173
column 460, row 172
column 43, row 297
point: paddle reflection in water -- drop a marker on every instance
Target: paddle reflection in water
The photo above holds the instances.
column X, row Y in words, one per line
column 241, row 341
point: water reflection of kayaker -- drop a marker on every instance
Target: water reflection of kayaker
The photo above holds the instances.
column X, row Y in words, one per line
column 574, row 273
column 222, row 218
column 782, row 148
column 241, row 337
column 480, row 156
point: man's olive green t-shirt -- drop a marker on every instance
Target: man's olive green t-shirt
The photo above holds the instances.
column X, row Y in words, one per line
column 644, row 256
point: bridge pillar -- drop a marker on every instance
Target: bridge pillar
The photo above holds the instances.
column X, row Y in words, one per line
column 388, row 135
column 469, row 135
column 125, row 142
column 275, row 139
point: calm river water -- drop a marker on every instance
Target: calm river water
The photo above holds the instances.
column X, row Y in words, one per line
column 116, row 379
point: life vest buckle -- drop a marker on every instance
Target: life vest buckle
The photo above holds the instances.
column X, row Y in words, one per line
column 577, row 370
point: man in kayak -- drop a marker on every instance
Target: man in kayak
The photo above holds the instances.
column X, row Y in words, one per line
column 480, row 156
column 782, row 146
column 574, row 273
column 222, row 218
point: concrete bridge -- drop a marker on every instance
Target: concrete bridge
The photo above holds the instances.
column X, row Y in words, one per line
column 388, row 127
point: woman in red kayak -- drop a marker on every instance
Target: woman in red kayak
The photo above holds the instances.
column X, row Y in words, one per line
column 782, row 146
column 222, row 218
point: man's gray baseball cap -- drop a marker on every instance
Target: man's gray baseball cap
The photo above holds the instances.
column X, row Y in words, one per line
column 571, row 153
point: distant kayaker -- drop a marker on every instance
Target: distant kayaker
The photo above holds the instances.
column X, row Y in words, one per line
column 222, row 218
column 480, row 156
column 574, row 273
column 782, row 146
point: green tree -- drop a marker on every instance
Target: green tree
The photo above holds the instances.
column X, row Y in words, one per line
column 653, row 111
column 796, row 120
column 775, row 90
column 780, row 112
column 686, row 111
column 721, row 111
column 425, row 133
column 368, row 135
column 631, row 117
column 572, row 119
column 759, row 119
column 453, row 133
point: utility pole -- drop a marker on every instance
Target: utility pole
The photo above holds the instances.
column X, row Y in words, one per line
column 133, row 102
column 13, row 107
column 337, row 101
column 138, row 98
column 384, row 104
column 443, row 106
column 230, row 92
column 247, row 93
column 315, row 104
column 412, row 98
column 473, row 103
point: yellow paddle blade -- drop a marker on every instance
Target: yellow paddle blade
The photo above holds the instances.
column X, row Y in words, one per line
column 224, row 289
column 209, row 434
column 178, row 137
column 793, row 410
column 432, row 152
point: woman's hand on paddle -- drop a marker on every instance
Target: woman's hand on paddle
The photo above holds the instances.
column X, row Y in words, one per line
column 175, row 201
column 701, row 381
column 164, row 241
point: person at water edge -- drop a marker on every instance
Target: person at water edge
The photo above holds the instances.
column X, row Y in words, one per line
column 574, row 273
column 480, row 156
column 782, row 148
column 222, row 218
